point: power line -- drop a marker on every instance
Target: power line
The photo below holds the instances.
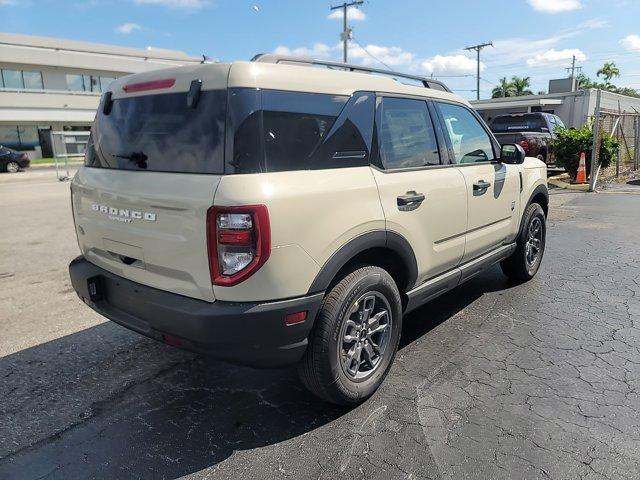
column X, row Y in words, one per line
column 477, row 48
column 370, row 54
column 346, row 31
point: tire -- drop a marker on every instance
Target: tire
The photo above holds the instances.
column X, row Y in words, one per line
column 524, row 263
column 329, row 368
column 12, row 167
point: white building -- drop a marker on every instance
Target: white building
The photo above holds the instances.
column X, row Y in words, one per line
column 54, row 84
column 573, row 107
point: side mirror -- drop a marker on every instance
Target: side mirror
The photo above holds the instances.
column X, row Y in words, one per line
column 512, row 154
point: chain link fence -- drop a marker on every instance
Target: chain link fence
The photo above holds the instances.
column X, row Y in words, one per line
column 625, row 128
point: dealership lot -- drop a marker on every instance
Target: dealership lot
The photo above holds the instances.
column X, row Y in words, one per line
column 492, row 379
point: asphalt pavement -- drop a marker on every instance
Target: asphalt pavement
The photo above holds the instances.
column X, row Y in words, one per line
column 493, row 380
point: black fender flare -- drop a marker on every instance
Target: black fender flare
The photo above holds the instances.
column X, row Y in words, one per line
column 539, row 189
column 374, row 239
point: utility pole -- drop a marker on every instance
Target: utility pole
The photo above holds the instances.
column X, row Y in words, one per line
column 572, row 70
column 477, row 48
column 346, row 31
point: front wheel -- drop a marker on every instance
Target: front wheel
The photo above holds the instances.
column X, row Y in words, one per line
column 524, row 263
column 12, row 167
column 354, row 339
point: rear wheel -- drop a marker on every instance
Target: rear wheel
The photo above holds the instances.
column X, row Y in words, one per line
column 524, row 263
column 12, row 167
column 355, row 337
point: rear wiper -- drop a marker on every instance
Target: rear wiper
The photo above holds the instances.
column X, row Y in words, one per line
column 139, row 158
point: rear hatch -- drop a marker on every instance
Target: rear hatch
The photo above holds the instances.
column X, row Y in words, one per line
column 153, row 163
column 504, row 138
column 516, row 127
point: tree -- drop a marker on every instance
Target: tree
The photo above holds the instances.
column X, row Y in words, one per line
column 521, row 86
column 504, row 89
column 609, row 70
column 585, row 82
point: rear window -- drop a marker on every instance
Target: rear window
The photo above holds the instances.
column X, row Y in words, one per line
column 518, row 123
column 273, row 131
column 161, row 133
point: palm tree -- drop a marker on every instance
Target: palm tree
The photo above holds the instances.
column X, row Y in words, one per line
column 609, row 70
column 521, row 86
column 584, row 82
column 503, row 89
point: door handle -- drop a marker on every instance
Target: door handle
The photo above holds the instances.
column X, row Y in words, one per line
column 410, row 201
column 480, row 187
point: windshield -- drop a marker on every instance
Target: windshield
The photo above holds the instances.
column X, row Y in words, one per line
column 161, row 133
column 518, row 123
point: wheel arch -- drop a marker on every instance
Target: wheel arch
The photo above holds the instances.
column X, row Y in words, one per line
column 387, row 250
column 540, row 195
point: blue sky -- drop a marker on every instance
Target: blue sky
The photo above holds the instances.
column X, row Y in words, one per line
column 533, row 38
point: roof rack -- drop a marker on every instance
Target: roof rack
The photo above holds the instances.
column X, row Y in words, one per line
column 273, row 58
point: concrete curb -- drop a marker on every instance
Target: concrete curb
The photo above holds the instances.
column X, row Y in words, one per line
column 558, row 182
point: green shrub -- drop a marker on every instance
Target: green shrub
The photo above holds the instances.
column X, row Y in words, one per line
column 570, row 142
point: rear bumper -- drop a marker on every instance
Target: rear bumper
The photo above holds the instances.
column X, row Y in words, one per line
column 24, row 163
column 252, row 334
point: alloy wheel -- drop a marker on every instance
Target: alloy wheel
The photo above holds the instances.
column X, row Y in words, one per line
column 533, row 247
column 364, row 336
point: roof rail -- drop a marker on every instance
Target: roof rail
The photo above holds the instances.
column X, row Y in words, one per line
column 273, row 58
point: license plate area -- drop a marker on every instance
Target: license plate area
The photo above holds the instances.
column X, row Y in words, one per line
column 95, row 288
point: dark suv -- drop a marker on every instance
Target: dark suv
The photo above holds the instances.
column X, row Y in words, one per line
column 534, row 132
column 12, row 161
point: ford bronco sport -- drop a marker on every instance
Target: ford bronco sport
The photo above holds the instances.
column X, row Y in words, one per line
column 268, row 213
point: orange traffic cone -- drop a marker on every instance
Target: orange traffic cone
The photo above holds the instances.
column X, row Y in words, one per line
column 581, row 176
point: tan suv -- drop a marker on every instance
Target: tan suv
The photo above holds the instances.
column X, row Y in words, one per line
column 269, row 213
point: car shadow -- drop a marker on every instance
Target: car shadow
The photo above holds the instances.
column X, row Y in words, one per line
column 190, row 415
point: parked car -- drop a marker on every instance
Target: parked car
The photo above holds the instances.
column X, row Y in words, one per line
column 12, row 161
column 268, row 213
column 534, row 132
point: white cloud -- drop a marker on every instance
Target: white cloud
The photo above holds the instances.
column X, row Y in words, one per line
column 450, row 65
column 392, row 56
column 317, row 50
column 554, row 57
column 353, row 14
column 555, row 6
column 180, row 4
column 631, row 42
column 127, row 28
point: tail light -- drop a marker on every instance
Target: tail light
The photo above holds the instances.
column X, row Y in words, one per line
column 525, row 146
column 239, row 242
column 24, row 156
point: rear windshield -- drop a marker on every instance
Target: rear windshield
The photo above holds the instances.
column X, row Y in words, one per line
column 518, row 123
column 265, row 131
column 161, row 133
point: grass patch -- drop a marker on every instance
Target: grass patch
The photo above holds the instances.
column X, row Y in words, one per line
column 52, row 161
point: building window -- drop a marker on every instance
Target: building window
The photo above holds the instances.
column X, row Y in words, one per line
column 28, row 136
column 33, row 80
column 12, row 79
column 87, row 83
column 9, row 136
column 75, row 83
column 105, row 82
column 19, row 137
column 18, row 79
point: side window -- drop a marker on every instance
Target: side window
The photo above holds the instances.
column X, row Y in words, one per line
column 406, row 134
column 559, row 122
column 471, row 143
column 276, row 131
